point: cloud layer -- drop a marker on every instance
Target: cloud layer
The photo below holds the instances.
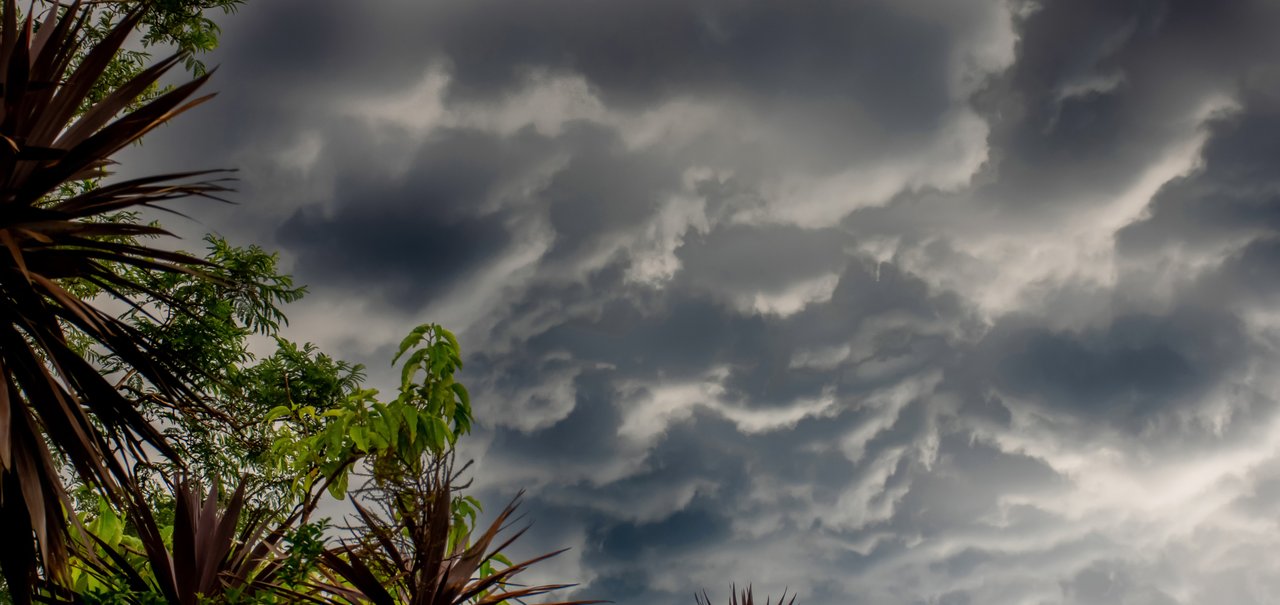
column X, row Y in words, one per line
column 910, row 302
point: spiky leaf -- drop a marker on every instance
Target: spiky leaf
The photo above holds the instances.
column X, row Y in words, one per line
column 50, row 394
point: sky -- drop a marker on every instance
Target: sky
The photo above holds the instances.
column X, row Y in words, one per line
column 920, row 302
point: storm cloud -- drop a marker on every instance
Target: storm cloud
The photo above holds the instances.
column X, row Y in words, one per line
column 919, row 302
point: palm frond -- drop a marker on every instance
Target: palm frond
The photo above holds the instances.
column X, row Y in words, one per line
column 49, row 393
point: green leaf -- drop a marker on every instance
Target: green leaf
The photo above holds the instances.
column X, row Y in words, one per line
column 335, row 439
column 108, row 526
column 453, row 340
column 411, row 422
column 358, row 436
column 411, row 367
column 415, row 336
column 338, row 489
column 378, row 439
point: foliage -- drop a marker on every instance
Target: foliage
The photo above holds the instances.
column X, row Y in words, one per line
column 181, row 25
column 407, row 555
column 425, row 418
column 242, row 298
column 418, row 547
column 747, row 598
column 416, row 550
column 50, row 394
column 209, row 554
column 232, row 441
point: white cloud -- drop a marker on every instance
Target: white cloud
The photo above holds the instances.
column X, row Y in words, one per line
column 947, row 161
column 653, row 252
column 651, row 408
column 792, row 299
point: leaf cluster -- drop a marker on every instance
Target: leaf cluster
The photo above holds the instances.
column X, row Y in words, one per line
column 430, row 411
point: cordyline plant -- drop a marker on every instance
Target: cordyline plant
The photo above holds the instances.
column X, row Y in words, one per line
column 216, row 556
column 744, row 598
column 53, row 234
column 414, row 547
column 408, row 553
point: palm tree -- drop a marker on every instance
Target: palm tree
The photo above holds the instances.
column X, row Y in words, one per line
column 56, row 405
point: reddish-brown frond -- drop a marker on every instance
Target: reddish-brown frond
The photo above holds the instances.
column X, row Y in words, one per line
column 50, row 395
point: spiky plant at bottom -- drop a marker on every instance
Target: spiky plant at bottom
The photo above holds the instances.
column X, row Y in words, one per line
column 746, row 597
column 406, row 556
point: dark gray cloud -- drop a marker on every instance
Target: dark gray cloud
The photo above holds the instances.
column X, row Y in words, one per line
column 887, row 302
column 603, row 189
column 1097, row 86
column 814, row 55
column 1235, row 194
column 759, row 256
column 1128, row 372
column 429, row 229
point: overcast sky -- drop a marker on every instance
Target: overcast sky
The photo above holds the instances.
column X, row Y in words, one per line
column 944, row 302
